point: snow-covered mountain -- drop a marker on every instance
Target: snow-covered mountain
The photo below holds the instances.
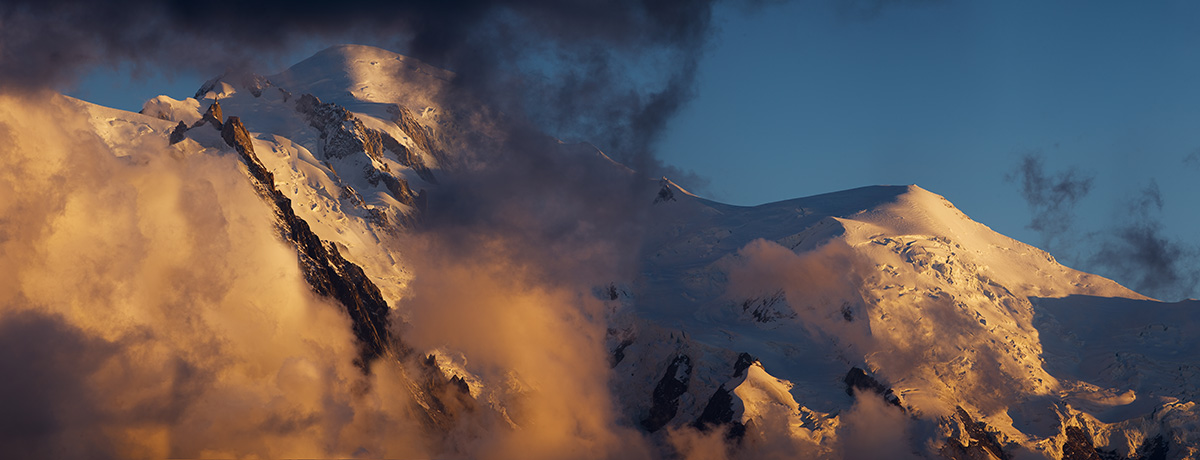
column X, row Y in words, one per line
column 878, row 322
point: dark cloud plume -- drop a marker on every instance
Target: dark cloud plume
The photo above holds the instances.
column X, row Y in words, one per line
column 1138, row 253
column 1051, row 197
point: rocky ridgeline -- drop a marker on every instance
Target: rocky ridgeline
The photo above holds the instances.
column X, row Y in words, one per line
column 439, row 398
column 327, row 272
column 343, row 134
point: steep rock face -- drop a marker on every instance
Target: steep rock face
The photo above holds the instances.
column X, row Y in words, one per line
column 665, row 401
column 327, row 272
column 721, row 409
column 858, row 379
column 179, row 133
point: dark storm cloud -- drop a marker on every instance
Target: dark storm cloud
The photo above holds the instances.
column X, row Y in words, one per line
column 46, row 41
column 1051, row 197
column 1138, row 253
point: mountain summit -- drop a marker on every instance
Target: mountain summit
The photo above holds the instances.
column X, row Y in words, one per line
column 877, row 322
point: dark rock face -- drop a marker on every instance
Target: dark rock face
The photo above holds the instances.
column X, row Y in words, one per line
column 327, row 272
column 618, row 354
column 666, row 395
column 339, row 129
column 255, row 84
column 1155, row 448
column 178, row 133
column 719, row 410
column 664, row 193
column 212, row 116
column 744, row 361
column 1079, row 445
column 858, row 379
column 983, row 443
column 768, row 308
column 206, row 87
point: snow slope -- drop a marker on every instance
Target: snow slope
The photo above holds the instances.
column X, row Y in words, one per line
column 898, row 281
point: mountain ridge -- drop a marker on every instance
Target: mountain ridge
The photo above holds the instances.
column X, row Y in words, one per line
column 799, row 324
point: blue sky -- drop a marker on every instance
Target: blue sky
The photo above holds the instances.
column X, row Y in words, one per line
column 803, row 98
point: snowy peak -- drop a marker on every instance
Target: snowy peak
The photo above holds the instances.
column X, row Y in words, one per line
column 918, row 217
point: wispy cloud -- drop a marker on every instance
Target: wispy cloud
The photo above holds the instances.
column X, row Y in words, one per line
column 1051, row 196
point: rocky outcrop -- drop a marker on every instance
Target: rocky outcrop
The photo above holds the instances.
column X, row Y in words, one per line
column 255, row 83
column 720, row 411
column 665, row 193
column 441, row 399
column 407, row 122
column 1155, row 448
column 858, row 379
column 980, row 442
column 744, row 361
column 768, row 308
column 618, row 353
column 178, row 134
column 665, row 399
column 327, row 272
column 406, row 157
column 206, row 87
column 342, row 134
column 212, row 117
column 1078, row 446
column 252, row 82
